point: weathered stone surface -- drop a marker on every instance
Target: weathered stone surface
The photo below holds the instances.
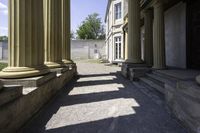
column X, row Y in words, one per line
column 184, row 102
column 18, row 112
column 126, row 66
column 136, row 73
column 10, row 93
column 102, row 101
column 30, row 82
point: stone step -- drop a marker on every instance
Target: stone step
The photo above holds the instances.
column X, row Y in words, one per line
column 161, row 80
column 153, row 84
column 10, row 93
column 153, row 94
column 165, row 76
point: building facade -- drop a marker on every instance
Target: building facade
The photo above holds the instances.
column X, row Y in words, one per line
column 116, row 10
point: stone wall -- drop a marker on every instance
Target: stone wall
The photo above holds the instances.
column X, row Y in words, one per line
column 17, row 112
column 175, row 36
column 4, row 50
column 88, row 49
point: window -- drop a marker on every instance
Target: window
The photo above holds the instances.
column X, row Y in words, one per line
column 118, row 10
column 118, row 48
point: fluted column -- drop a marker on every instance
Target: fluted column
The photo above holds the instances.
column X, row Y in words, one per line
column 148, row 37
column 159, row 36
column 134, row 44
column 26, row 47
column 66, row 42
column 126, row 45
column 53, row 33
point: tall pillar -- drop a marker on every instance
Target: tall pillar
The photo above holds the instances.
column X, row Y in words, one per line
column 126, row 45
column 53, row 33
column 148, row 37
column 159, row 36
column 66, row 39
column 134, row 44
column 26, row 47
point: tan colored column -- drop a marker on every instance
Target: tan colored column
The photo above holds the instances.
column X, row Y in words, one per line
column 134, row 44
column 53, row 33
column 26, row 47
column 66, row 39
column 126, row 45
column 148, row 37
column 159, row 36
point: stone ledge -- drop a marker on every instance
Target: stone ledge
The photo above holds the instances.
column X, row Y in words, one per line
column 15, row 114
column 137, row 72
column 30, row 82
column 126, row 66
column 184, row 102
column 10, row 93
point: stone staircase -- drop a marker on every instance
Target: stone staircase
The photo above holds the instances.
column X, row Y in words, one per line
column 158, row 81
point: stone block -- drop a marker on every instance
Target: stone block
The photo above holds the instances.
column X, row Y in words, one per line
column 184, row 101
column 30, row 82
column 15, row 114
column 125, row 68
column 137, row 72
column 10, row 93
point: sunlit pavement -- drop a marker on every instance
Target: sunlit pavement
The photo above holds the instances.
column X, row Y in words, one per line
column 101, row 101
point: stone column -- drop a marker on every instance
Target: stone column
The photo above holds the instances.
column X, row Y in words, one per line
column 159, row 36
column 53, row 33
column 134, row 44
column 26, row 35
column 66, row 39
column 148, row 37
column 126, row 45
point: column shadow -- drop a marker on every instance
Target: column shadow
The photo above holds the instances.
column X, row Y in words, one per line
column 148, row 117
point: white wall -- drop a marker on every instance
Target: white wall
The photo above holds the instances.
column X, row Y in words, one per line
column 85, row 49
column 175, row 36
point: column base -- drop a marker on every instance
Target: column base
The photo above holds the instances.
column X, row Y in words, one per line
column 23, row 72
column 53, row 65
column 67, row 61
column 126, row 67
column 134, row 61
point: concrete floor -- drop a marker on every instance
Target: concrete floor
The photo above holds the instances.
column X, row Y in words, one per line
column 101, row 101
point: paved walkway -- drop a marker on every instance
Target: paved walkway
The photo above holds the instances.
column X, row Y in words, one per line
column 101, row 101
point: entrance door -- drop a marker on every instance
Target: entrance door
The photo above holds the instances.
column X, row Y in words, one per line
column 193, row 34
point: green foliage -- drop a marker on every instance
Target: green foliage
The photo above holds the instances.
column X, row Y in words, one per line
column 3, row 38
column 3, row 65
column 91, row 28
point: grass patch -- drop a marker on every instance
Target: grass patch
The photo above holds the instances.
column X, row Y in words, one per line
column 3, row 65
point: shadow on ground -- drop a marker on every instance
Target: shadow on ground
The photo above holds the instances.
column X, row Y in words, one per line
column 145, row 116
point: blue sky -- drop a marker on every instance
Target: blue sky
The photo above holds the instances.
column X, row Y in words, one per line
column 80, row 9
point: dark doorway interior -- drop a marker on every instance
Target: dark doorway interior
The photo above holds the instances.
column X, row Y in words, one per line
column 193, row 34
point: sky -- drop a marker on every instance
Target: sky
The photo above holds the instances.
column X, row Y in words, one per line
column 80, row 9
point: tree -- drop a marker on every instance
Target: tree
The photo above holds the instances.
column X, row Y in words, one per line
column 91, row 28
column 3, row 38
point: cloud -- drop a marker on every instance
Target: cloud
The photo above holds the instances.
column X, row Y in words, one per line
column 3, row 31
column 3, row 9
column 2, row 6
